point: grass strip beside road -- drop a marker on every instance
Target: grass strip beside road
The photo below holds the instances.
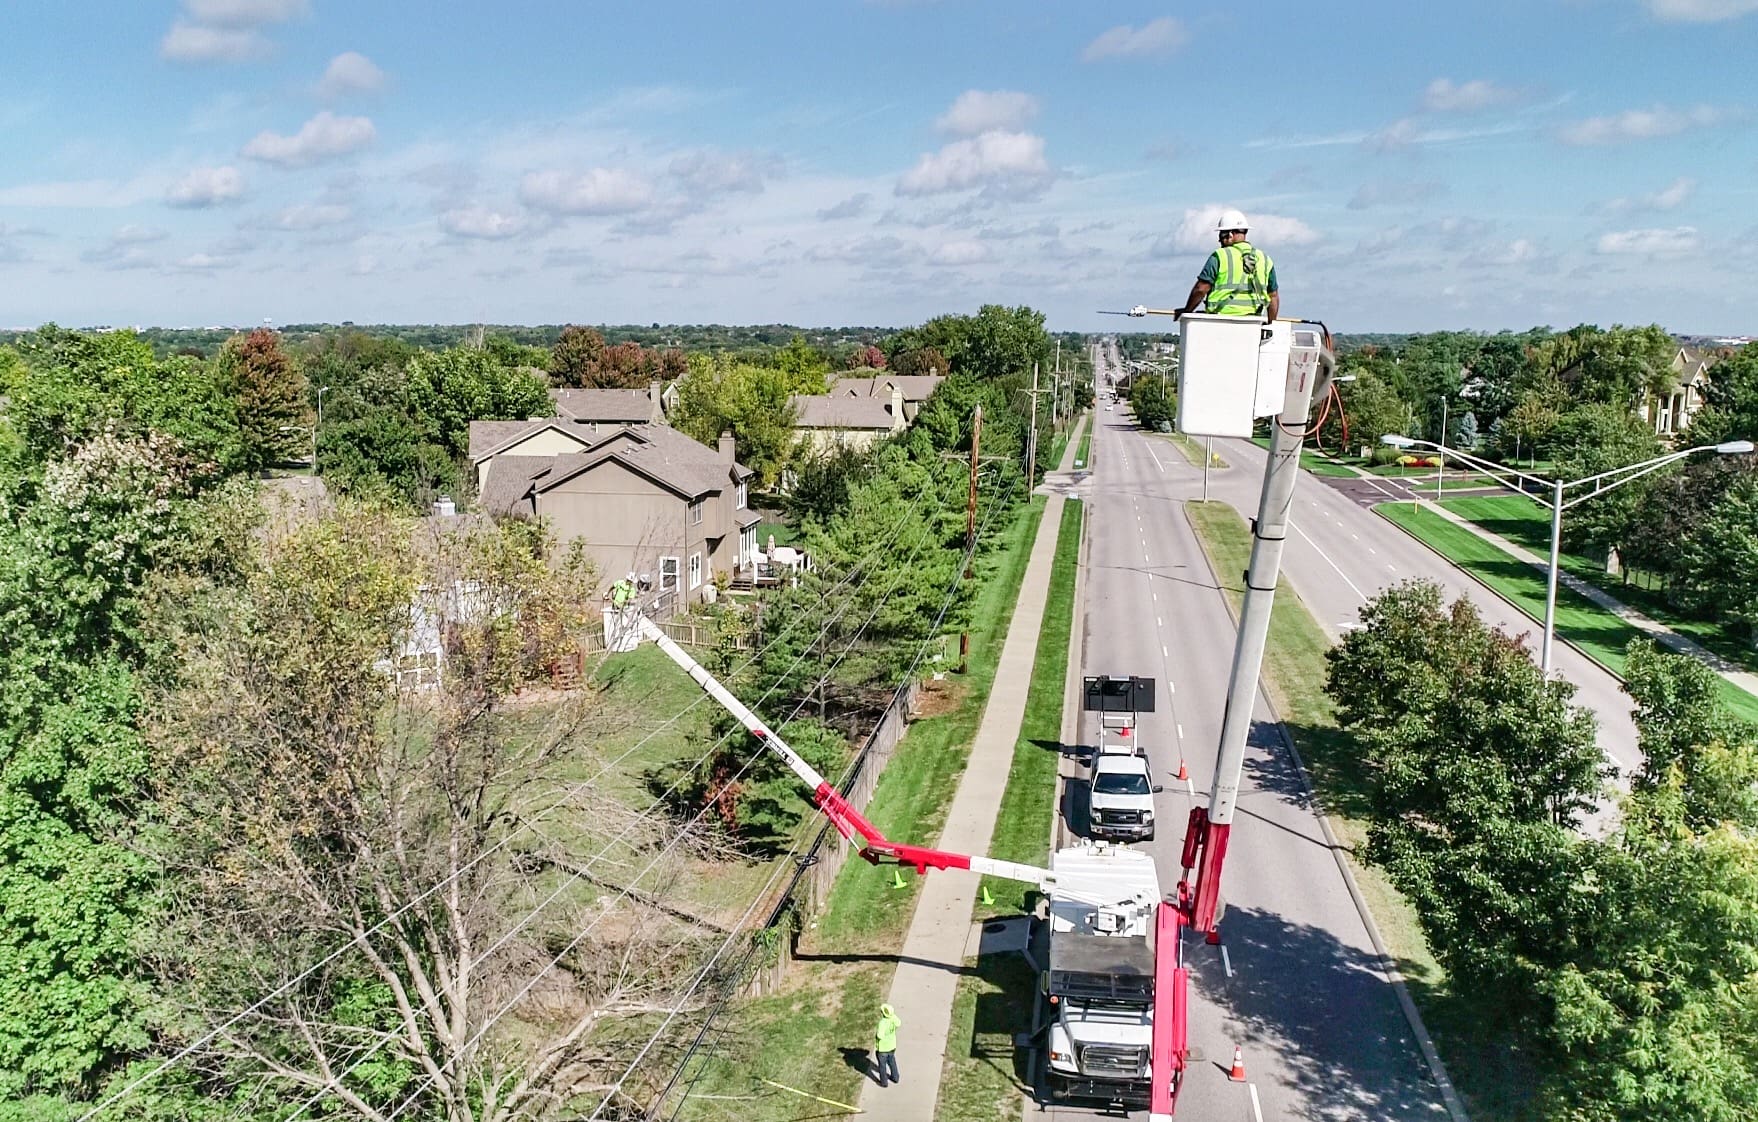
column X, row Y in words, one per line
column 1599, row 634
column 1483, row 1066
column 1083, row 456
column 982, row 1078
column 1524, row 522
column 1194, row 452
column 1022, row 826
column 814, row 1031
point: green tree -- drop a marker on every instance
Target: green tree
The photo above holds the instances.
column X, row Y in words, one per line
column 1716, row 568
column 1689, row 742
column 807, row 368
column 749, row 401
column 1373, row 409
column 1153, row 400
column 269, row 393
column 1594, row 438
column 449, row 389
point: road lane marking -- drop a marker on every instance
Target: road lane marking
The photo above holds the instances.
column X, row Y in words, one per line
column 1158, row 622
column 1358, row 593
column 1171, row 686
column 1391, row 566
column 1189, row 786
column 1226, row 960
column 1257, row 1112
column 1373, row 551
column 1156, row 457
column 1164, row 652
column 1181, row 730
column 1357, row 537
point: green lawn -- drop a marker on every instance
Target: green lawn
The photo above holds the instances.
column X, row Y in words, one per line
column 1022, row 827
column 1597, row 632
column 981, row 1079
column 784, row 534
column 806, row 1034
column 1483, row 1066
column 1316, row 462
column 1083, row 456
column 1524, row 522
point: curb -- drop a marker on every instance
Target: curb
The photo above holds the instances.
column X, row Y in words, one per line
column 1424, row 1042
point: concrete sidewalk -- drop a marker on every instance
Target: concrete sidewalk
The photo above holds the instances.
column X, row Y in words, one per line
column 926, row 982
column 1660, row 632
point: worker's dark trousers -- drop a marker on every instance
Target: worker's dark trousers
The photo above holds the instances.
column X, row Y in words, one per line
column 888, row 1068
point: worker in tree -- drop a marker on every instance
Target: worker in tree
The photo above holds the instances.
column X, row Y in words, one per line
column 622, row 592
column 885, row 1044
column 1238, row 279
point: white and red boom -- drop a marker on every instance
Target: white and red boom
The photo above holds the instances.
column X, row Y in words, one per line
column 1170, row 1048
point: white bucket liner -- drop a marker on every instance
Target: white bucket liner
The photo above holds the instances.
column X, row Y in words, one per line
column 622, row 629
column 1229, row 372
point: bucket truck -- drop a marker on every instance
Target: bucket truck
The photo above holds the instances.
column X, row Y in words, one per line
column 1115, row 975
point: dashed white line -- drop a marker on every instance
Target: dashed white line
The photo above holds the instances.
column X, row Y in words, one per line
column 1391, row 566
column 1171, row 686
column 1226, row 960
column 1359, row 594
column 1257, row 1112
column 1181, row 730
column 1158, row 622
column 1189, row 787
column 1164, row 653
column 1373, row 551
column 1357, row 537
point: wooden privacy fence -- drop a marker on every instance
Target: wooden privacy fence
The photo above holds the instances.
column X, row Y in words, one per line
column 817, row 870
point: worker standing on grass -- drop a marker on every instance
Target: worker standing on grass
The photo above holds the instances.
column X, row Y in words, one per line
column 885, row 1044
column 1238, row 279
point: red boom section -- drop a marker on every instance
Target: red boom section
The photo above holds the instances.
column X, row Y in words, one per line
column 1171, row 983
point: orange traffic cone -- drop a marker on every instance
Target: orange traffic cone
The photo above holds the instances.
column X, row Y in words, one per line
column 1237, row 1075
column 1183, row 772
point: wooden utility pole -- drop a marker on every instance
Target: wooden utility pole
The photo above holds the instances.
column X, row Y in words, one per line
column 1032, row 438
column 970, row 528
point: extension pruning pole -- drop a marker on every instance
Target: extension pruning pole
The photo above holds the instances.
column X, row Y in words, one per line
column 1310, row 367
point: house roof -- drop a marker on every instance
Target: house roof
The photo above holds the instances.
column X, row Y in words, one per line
column 605, row 406
column 662, row 454
column 829, row 411
column 1691, row 364
column 915, row 387
column 489, row 437
column 507, row 490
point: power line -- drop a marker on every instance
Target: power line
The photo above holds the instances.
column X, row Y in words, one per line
column 212, row 1034
column 921, row 651
column 512, row 1002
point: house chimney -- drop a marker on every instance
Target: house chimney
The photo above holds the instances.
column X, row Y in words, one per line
column 657, row 413
column 896, row 407
column 726, row 447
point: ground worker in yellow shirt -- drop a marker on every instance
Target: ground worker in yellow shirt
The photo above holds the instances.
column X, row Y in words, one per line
column 885, row 1044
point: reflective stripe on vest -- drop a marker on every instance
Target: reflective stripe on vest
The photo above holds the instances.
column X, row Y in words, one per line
column 1242, row 282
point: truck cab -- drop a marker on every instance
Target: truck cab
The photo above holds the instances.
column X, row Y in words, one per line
column 1121, row 790
column 1099, row 977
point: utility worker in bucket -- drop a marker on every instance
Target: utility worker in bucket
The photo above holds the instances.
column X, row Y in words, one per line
column 1238, row 279
column 622, row 592
column 885, row 1044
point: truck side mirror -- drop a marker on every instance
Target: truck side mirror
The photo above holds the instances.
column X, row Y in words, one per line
column 1158, row 789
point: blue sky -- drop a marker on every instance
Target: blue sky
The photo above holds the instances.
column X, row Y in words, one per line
column 1486, row 164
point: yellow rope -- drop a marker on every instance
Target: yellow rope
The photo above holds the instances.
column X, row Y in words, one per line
column 809, row 1095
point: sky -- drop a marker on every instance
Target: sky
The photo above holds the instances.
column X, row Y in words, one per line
column 1486, row 164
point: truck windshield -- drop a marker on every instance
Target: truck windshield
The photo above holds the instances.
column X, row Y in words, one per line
column 1120, row 783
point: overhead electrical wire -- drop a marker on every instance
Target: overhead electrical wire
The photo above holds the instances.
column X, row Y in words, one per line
column 214, row 1033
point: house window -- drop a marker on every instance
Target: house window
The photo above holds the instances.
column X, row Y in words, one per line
column 696, row 513
column 695, row 571
column 668, row 574
column 740, row 505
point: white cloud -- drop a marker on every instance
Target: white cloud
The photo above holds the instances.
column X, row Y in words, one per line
column 204, row 187
column 980, row 111
column 350, row 73
column 1445, row 96
column 1395, row 192
column 707, row 172
column 1675, row 242
column 1641, row 124
column 312, row 216
column 480, row 222
column 136, row 235
column 1156, row 37
column 595, row 192
column 1700, row 11
column 189, row 42
column 852, row 207
column 873, row 251
column 999, row 157
column 1517, row 252
column 198, row 263
column 962, row 252
column 1196, row 230
column 1670, row 197
column 244, row 13
column 324, row 137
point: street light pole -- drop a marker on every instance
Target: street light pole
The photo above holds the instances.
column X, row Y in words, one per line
column 1550, row 579
column 1441, row 474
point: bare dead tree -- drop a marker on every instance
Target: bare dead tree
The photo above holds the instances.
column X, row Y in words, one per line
column 312, row 792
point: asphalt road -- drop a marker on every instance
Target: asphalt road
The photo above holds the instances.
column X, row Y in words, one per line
column 1298, row 987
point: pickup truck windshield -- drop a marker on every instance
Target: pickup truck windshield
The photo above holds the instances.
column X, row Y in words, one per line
column 1120, row 783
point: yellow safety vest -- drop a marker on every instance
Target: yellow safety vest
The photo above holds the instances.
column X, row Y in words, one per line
column 1242, row 281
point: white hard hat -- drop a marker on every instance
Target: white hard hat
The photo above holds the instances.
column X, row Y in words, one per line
column 1231, row 219
column 631, row 576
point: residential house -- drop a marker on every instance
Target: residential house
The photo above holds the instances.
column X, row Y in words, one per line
column 643, row 498
column 1670, row 413
column 607, row 409
column 916, row 389
column 846, row 420
column 543, row 437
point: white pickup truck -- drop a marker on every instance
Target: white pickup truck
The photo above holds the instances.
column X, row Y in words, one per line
column 1120, row 790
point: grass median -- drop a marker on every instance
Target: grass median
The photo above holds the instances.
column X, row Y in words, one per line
column 1598, row 633
column 979, row 1079
column 1083, row 456
column 813, row 1032
column 1484, row 1067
